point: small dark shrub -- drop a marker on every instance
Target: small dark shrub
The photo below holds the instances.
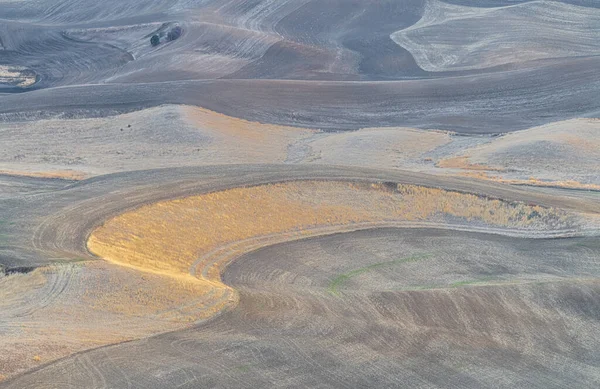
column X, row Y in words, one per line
column 155, row 40
column 174, row 33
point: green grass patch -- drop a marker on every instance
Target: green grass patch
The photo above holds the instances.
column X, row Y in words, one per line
column 471, row 282
column 419, row 287
column 338, row 281
column 241, row 368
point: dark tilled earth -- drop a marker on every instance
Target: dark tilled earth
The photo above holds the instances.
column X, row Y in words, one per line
column 347, row 72
column 470, row 310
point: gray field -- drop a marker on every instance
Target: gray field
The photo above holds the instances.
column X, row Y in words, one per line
column 511, row 312
column 480, row 109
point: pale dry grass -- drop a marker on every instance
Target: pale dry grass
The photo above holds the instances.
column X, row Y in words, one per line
column 239, row 140
column 12, row 287
column 168, row 237
column 62, row 174
column 533, row 181
column 159, row 137
column 235, row 127
column 462, row 162
column 570, row 184
column 55, row 311
column 388, row 147
column 562, row 154
column 145, row 295
column 583, row 143
column 567, row 184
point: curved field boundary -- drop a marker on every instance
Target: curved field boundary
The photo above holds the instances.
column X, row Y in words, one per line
column 64, row 233
column 212, row 265
column 221, row 226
